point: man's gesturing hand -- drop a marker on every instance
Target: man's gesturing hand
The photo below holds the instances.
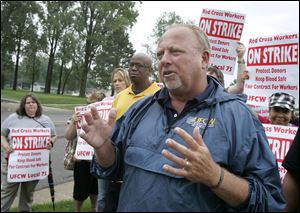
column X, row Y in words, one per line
column 96, row 130
column 197, row 164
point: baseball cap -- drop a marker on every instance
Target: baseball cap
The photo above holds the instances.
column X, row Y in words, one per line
column 283, row 100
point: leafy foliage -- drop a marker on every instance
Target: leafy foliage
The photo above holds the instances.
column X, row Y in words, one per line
column 16, row 25
column 103, row 26
column 83, row 42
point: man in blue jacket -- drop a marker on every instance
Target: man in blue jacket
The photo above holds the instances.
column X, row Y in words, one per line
column 189, row 147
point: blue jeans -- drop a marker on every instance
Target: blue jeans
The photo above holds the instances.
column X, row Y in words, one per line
column 102, row 189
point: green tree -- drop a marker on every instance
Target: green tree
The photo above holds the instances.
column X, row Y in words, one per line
column 7, row 40
column 72, row 73
column 117, row 51
column 162, row 22
column 32, row 49
column 54, row 23
column 97, row 23
column 65, row 55
column 20, row 15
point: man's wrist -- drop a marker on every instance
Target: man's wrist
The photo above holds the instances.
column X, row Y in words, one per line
column 101, row 146
column 220, row 181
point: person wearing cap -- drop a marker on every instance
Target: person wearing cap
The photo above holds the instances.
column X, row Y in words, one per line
column 281, row 107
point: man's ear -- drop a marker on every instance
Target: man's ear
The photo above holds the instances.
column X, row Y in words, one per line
column 205, row 59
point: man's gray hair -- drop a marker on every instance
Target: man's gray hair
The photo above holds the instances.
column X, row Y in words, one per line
column 200, row 35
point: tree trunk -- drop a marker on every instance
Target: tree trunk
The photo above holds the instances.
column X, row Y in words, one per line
column 33, row 74
column 32, row 81
column 83, row 81
column 17, row 64
column 85, row 70
column 60, row 76
column 50, row 65
column 49, row 73
column 65, row 82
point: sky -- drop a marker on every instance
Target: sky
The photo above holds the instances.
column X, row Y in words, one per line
column 263, row 18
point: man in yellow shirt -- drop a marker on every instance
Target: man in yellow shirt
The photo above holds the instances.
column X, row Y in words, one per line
column 140, row 69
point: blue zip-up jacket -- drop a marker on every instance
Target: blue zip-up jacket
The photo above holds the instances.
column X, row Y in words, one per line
column 235, row 138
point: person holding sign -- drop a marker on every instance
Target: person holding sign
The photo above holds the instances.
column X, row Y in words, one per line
column 189, row 147
column 120, row 80
column 85, row 184
column 28, row 115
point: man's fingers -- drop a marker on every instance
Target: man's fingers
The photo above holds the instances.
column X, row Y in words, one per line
column 197, row 136
column 88, row 118
column 94, row 113
column 177, row 147
column 91, row 116
column 187, row 138
column 174, row 171
column 84, row 129
column 111, row 117
column 179, row 161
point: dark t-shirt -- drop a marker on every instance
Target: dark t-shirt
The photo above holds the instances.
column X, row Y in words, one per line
column 291, row 161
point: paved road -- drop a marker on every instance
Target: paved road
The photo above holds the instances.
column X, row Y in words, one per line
column 59, row 117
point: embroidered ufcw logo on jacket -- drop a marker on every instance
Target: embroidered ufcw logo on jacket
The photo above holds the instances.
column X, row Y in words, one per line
column 200, row 122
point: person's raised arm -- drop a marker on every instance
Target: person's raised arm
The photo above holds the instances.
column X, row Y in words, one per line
column 70, row 131
column 242, row 74
column 97, row 133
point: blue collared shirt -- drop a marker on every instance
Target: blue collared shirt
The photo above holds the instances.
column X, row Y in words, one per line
column 165, row 101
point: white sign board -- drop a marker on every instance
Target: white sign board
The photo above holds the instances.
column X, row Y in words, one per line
column 280, row 140
column 223, row 29
column 30, row 159
column 273, row 67
column 83, row 150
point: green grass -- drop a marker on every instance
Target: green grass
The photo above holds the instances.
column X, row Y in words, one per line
column 61, row 206
column 51, row 100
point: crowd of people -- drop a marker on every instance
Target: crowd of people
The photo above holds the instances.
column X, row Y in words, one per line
column 191, row 145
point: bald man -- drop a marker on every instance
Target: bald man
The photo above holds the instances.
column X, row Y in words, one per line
column 140, row 69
